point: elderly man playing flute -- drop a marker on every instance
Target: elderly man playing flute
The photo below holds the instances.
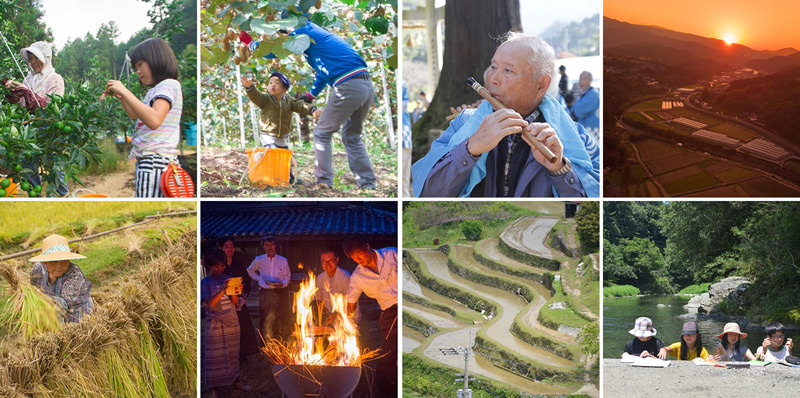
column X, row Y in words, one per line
column 492, row 151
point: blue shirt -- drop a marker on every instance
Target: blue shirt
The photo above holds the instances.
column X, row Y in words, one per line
column 331, row 57
column 585, row 109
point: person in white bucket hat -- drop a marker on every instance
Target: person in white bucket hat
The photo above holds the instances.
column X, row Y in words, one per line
column 644, row 344
column 61, row 279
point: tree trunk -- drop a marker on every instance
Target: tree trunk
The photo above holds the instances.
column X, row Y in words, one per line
column 472, row 28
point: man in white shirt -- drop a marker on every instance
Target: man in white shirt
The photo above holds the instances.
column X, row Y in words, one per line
column 271, row 271
column 334, row 280
column 376, row 276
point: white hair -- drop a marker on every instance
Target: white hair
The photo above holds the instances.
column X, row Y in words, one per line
column 544, row 57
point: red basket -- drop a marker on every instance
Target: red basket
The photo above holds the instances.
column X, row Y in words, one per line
column 176, row 182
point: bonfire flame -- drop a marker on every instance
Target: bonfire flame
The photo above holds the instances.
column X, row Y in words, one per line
column 342, row 349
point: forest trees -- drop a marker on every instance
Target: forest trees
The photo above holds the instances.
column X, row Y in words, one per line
column 588, row 220
column 661, row 247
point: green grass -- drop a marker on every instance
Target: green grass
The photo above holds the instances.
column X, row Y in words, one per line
column 545, row 342
column 695, row 289
column 418, row 214
column 108, row 161
column 424, row 378
column 100, row 261
column 567, row 316
column 620, row 291
column 588, row 283
column 467, row 317
column 24, row 219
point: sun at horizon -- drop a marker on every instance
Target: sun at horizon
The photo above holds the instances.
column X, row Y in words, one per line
column 729, row 38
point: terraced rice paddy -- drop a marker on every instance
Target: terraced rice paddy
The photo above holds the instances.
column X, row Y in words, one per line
column 456, row 267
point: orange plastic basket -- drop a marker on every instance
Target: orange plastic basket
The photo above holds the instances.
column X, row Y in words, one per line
column 11, row 191
column 176, row 182
column 269, row 166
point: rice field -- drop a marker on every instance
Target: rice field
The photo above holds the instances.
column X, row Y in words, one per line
column 140, row 340
column 732, row 130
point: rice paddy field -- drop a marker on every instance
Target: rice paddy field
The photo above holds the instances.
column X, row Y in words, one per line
column 683, row 172
column 140, row 339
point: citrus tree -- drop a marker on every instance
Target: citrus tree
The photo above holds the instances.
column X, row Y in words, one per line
column 370, row 27
column 52, row 139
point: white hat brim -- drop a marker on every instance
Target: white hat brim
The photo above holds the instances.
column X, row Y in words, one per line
column 33, row 50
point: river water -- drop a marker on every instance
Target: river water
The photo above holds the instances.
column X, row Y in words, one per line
column 668, row 315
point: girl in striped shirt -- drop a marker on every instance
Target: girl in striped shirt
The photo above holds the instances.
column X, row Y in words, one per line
column 157, row 132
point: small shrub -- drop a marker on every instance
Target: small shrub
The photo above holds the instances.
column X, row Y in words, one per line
column 472, row 229
column 695, row 289
column 620, row 291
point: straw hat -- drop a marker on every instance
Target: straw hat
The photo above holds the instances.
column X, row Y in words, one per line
column 56, row 248
column 643, row 328
column 732, row 327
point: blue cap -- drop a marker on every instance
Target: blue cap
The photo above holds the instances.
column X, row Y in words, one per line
column 283, row 79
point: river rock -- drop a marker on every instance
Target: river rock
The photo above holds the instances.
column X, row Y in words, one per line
column 731, row 288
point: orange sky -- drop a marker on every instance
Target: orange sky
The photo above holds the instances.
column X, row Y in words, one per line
column 759, row 24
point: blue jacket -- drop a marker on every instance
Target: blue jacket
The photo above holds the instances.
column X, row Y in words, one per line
column 585, row 109
column 331, row 57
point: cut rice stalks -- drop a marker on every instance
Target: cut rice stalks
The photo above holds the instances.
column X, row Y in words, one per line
column 27, row 309
column 139, row 342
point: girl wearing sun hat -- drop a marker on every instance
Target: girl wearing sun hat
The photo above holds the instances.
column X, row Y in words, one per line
column 644, row 344
column 61, row 279
column 729, row 348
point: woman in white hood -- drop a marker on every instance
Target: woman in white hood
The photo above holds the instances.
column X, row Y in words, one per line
column 33, row 93
column 41, row 81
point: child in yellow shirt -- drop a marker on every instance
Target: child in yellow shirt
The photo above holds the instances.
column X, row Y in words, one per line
column 690, row 346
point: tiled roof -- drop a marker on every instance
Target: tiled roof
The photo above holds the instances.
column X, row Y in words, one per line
column 245, row 220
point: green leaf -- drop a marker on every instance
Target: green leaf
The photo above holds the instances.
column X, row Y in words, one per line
column 322, row 18
column 305, row 5
column 298, row 44
column 261, row 27
column 377, row 25
column 263, row 49
column 240, row 19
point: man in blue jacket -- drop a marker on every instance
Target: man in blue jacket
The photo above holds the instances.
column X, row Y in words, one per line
column 339, row 66
column 490, row 153
column 585, row 108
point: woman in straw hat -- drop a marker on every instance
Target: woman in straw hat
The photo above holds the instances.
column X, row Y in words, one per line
column 730, row 347
column 61, row 279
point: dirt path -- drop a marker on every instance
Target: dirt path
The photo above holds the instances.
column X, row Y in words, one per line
column 595, row 261
column 510, row 304
column 221, row 172
column 119, row 184
column 529, row 233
